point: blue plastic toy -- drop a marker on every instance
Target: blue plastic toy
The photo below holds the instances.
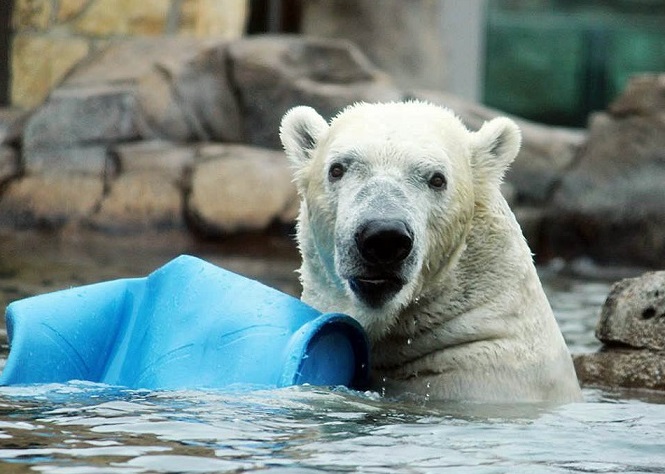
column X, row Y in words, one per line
column 189, row 324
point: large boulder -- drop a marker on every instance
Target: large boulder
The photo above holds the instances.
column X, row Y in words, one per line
column 624, row 368
column 632, row 330
column 73, row 129
column 634, row 313
column 237, row 188
column 609, row 206
column 271, row 74
column 144, row 183
column 49, row 200
column 149, row 88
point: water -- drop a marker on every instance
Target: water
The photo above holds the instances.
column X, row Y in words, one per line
column 91, row 428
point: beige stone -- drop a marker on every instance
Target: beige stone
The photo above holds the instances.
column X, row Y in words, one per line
column 218, row 18
column 31, row 14
column 70, row 9
column 124, row 17
column 628, row 368
column 126, row 61
column 49, row 200
column 39, row 63
column 168, row 159
column 140, row 201
column 241, row 189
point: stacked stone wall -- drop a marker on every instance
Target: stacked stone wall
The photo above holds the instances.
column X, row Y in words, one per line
column 51, row 37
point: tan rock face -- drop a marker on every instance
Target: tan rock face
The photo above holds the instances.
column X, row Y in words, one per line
column 52, row 36
column 239, row 188
column 218, row 18
column 140, row 200
column 31, row 14
column 124, row 17
column 39, row 63
column 69, row 9
column 49, row 200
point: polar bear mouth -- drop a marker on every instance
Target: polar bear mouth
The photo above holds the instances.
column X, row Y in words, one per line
column 375, row 291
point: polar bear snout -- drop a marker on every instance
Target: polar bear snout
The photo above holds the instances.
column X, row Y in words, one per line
column 382, row 247
column 384, row 241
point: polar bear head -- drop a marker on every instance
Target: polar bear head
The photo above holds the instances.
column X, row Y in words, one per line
column 388, row 197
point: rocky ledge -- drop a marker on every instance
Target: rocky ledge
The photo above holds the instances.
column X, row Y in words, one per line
column 163, row 134
column 632, row 330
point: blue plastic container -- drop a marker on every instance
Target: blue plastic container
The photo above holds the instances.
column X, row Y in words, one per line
column 189, row 324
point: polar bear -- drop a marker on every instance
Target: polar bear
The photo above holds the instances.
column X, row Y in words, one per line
column 402, row 225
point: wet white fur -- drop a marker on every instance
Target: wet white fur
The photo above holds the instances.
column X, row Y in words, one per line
column 473, row 322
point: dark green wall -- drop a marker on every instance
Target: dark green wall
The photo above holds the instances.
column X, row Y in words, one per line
column 557, row 61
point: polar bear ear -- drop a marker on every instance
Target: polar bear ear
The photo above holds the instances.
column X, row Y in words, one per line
column 301, row 130
column 495, row 147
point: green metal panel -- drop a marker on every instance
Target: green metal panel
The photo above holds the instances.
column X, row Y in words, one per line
column 557, row 61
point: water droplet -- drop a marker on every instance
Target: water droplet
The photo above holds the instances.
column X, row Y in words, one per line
column 408, row 341
column 383, row 387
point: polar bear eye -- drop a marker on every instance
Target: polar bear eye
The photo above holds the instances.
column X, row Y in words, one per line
column 437, row 181
column 336, row 171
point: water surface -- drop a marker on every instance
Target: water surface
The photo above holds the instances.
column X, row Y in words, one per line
column 91, row 428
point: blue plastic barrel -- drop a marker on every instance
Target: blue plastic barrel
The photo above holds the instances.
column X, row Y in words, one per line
column 189, row 324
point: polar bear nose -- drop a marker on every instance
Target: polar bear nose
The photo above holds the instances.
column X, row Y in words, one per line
column 385, row 241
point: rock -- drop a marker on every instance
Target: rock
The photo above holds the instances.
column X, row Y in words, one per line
column 634, row 313
column 612, row 198
column 145, row 192
column 72, row 130
column 12, row 124
column 642, row 369
column 9, row 164
column 402, row 38
column 236, row 188
column 87, row 160
column 69, row 9
column 191, row 99
column 140, row 201
column 124, row 62
column 643, row 96
column 546, row 154
column 218, row 18
column 49, row 201
column 38, row 63
column 31, row 14
column 274, row 73
column 632, row 329
column 123, row 17
column 169, row 159
column 178, row 86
